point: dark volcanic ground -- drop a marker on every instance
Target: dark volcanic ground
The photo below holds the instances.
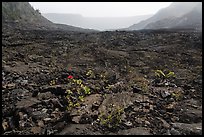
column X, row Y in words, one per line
column 114, row 89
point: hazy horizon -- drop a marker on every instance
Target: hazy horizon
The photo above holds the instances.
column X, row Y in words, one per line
column 101, row 9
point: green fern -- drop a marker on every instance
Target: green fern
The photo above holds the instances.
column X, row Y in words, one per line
column 170, row 74
column 87, row 90
column 159, row 73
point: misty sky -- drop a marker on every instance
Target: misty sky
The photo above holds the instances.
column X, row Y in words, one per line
column 101, row 9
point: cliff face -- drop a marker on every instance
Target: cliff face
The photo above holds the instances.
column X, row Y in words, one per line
column 192, row 19
column 21, row 15
column 22, row 12
column 177, row 15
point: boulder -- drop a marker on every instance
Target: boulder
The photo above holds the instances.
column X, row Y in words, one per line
column 188, row 129
column 88, row 109
column 191, row 115
column 36, row 130
column 25, row 103
column 121, row 100
column 135, row 131
column 78, row 129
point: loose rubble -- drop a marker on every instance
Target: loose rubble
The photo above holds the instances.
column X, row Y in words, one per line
column 116, row 70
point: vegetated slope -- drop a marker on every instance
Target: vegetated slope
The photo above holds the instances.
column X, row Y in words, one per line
column 21, row 15
column 176, row 15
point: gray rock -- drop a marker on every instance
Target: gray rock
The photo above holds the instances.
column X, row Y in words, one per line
column 86, row 110
column 188, row 129
column 147, row 122
column 56, row 115
column 138, row 64
column 25, row 103
column 136, row 109
column 170, row 107
column 191, row 115
column 174, row 132
column 11, row 122
column 45, row 96
column 174, row 119
column 135, row 131
column 165, row 94
column 60, row 125
column 77, row 129
column 9, row 86
column 193, row 103
column 121, row 100
column 22, row 124
column 128, row 123
column 41, row 123
column 44, row 110
column 47, row 119
column 164, row 123
column 171, row 100
column 57, row 103
column 24, row 82
column 167, row 133
column 123, row 117
column 36, row 130
column 139, row 120
column 50, row 131
column 39, row 115
column 76, row 119
column 5, row 125
column 55, row 89
column 20, row 115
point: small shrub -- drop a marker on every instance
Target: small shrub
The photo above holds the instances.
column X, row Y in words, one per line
column 77, row 92
column 111, row 120
column 160, row 76
column 177, row 95
column 87, row 90
column 79, row 82
column 159, row 73
column 170, row 74
column 81, row 98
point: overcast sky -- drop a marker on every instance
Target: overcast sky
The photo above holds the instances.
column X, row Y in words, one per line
column 101, row 9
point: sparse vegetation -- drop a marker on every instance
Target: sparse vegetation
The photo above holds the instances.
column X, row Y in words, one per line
column 43, row 94
column 76, row 93
column 177, row 95
column 160, row 76
column 113, row 119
